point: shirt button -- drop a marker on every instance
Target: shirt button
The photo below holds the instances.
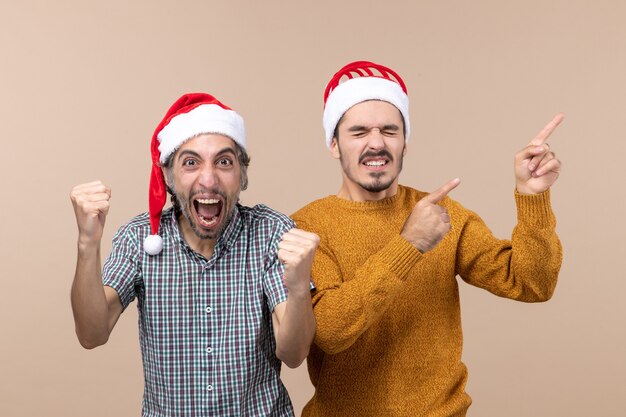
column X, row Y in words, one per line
column 209, row 350
column 208, row 309
column 209, row 387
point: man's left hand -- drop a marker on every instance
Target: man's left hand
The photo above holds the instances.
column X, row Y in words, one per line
column 296, row 252
column 536, row 166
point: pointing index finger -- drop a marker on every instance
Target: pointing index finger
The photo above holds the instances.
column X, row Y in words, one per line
column 541, row 138
column 441, row 193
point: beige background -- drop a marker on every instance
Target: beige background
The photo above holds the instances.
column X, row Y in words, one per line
column 83, row 85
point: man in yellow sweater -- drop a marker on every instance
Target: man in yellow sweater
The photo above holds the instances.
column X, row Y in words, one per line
column 389, row 339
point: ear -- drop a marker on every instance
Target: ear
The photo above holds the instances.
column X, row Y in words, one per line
column 404, row 150
column 334, row 149
column 165, row 177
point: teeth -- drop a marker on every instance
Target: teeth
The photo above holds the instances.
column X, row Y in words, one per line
column 208, row 222
column 208, row 200
column 375, row 163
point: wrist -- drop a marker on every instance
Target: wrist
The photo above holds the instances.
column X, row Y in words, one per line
column 418, row 244
column 86, row 245
column 524, row 189
column 299, row 292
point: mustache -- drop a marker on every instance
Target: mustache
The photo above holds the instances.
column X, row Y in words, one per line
column 208, row 191
column 372, row 154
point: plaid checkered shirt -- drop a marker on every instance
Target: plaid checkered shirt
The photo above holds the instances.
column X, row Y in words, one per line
column 205, row 325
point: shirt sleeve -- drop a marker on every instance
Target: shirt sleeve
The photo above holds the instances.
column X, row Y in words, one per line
column 121, row 270
column 524, row 268
column 273, row 284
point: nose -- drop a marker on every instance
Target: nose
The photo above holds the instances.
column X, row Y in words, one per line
column 207, row 177
column 375, row 139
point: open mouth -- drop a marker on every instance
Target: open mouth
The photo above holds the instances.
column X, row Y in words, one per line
column 208, row 211
column 375, row 163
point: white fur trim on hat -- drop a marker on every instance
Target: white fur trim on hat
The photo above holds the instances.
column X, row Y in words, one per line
column 357, row 90
column 206, row 118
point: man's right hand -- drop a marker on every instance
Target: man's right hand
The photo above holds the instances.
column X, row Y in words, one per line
column 91, row 205
column 429, row 222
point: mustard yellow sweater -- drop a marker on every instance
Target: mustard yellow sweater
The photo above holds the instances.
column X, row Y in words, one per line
column 389, row 340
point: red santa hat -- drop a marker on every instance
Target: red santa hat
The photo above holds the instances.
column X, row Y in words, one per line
column 191, row 115
column 365, row 81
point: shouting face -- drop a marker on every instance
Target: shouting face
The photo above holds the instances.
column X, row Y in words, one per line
column 205, row 179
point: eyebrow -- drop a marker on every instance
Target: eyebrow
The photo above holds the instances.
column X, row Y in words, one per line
column 226, row 150
column 187, row 152
column 359, row 128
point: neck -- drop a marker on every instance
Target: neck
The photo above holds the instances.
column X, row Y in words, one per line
column 204, row 247
column 354, row 192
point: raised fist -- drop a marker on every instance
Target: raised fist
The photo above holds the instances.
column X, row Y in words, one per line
column 296, row 251
column 91, row 205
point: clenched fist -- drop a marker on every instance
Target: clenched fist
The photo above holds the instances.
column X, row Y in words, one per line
column 429, row 222
column 91, row 205
column 296, row 251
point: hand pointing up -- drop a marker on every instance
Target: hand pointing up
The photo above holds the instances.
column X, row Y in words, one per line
column 536, row 166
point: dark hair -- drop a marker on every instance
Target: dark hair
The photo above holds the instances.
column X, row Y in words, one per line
column 244, row 162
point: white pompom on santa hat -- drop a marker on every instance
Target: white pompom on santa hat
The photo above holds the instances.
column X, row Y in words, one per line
column 364, row 81
column 191, row 115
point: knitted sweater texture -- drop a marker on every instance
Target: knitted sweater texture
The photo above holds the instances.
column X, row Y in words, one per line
column 389, row 339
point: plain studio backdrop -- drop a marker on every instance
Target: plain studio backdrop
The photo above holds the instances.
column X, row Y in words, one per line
column 83, row 85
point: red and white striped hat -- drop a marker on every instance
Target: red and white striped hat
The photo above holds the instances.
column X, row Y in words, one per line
column 365, row 81
column 191, row 115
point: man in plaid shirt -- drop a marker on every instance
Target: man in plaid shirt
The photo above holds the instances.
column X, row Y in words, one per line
column 223, row 290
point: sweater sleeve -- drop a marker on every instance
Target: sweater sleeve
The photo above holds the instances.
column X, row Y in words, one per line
column 346, row 306
column 524, row 268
